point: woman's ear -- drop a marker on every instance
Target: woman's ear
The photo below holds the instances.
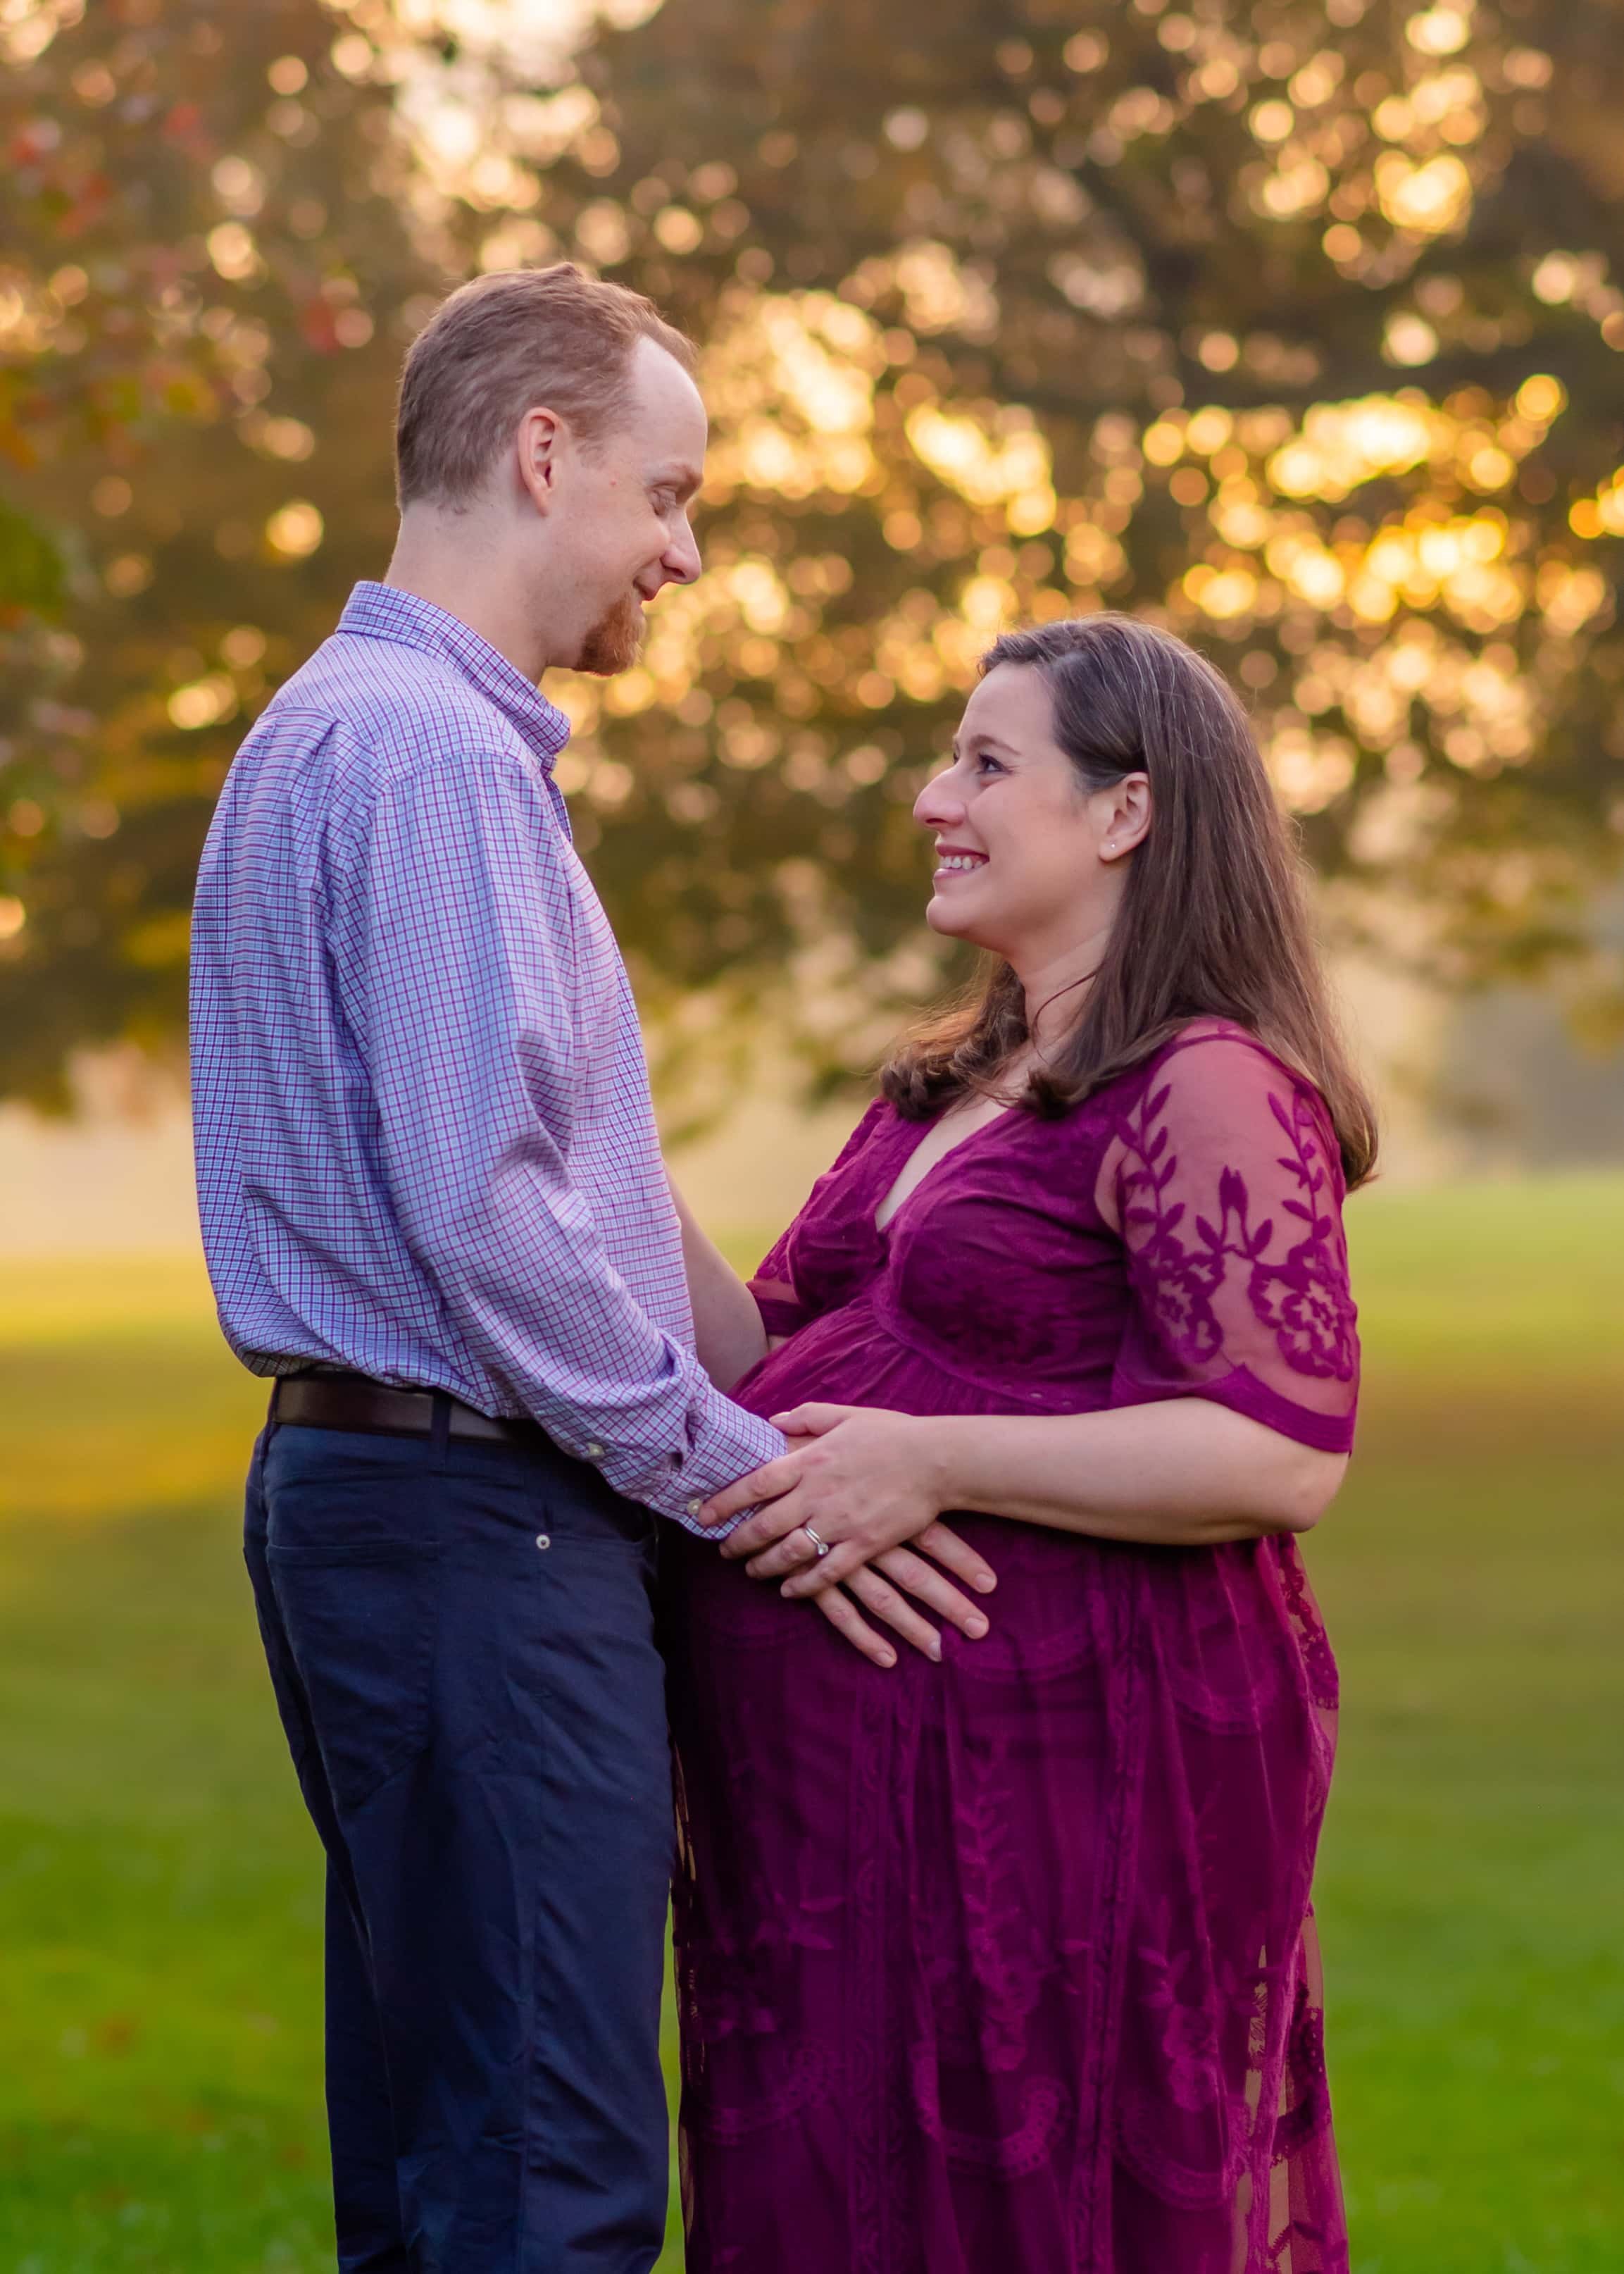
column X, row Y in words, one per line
column 1125, row 815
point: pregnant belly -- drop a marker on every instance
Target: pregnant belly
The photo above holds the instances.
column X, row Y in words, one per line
column 1052, row 1596
column 1227, row 1635
column 861, row 1356
column 1224, row 1630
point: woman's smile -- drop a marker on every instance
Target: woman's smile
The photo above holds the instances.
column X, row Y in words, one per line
column 957, row 861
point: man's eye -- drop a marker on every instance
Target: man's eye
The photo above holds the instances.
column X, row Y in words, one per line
column 664, row 500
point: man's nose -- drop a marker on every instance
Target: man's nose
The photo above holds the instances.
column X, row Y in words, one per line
column 681, row 562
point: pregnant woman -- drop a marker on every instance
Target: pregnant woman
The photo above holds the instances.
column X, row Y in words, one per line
column 999, row 1959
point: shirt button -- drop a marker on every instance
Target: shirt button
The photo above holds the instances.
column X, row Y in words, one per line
column 694, row 1506
column 595, row 1451
column 544, row 1539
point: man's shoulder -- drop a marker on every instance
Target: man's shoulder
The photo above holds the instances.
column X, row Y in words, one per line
column 390, row 708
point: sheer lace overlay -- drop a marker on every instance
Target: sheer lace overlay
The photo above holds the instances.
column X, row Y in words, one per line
column 1225, row 1184
column 1009, row 1963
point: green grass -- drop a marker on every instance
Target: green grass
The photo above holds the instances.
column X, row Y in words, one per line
column 159, row 1888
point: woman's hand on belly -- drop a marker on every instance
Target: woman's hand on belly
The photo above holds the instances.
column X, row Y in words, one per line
column 859, row 1481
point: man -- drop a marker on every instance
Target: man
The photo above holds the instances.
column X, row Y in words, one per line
column 434, row 1209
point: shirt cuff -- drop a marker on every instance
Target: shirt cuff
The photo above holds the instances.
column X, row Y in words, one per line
column 723, row 1448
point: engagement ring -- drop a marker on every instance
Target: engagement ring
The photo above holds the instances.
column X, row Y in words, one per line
column 821, row 1546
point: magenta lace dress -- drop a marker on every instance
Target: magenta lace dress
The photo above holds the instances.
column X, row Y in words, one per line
column 1006, row 1966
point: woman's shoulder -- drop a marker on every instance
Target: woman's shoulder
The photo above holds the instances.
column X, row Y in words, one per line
column 1216, row 1077
column 1215, row 1056
column 878, row 1114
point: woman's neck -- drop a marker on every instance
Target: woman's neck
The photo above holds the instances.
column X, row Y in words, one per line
column 1055, row 988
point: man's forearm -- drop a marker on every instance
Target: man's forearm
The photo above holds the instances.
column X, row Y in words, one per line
column 534, row 1297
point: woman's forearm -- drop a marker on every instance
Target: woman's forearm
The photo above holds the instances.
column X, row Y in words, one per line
column 727, row 1327
column 1183, row 1472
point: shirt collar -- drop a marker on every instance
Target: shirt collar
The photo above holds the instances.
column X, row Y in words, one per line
column 384, row 612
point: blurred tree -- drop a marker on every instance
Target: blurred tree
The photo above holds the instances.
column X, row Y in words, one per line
column 1291, row 324
column 195, row 429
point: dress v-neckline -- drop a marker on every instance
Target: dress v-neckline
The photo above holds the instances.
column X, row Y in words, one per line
column 882, row 1218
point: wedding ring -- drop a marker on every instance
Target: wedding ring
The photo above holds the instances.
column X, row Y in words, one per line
column 821, row 1546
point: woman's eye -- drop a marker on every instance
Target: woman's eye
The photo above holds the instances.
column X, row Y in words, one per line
column 985, row 764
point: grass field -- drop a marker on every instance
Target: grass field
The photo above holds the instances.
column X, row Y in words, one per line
column 159, row 1887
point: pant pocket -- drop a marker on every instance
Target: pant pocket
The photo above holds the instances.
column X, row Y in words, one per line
column 361, row 1628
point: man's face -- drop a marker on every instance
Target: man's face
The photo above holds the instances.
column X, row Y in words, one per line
column 628, row 512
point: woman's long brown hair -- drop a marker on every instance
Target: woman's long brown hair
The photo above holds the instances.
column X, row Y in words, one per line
column 1213, row 920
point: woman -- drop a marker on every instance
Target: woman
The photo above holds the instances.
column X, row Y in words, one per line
column 1005, row 1964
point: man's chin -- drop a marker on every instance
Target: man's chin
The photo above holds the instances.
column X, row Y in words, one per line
column 614, row 642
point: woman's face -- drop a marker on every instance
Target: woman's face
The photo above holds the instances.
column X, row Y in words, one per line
column 1026, row 858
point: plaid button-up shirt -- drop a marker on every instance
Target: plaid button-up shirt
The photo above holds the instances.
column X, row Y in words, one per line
column 424, row 1143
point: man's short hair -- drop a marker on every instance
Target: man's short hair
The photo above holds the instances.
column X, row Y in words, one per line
column 507, row 344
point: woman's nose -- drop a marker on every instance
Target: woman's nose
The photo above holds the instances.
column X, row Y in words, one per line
column 936, row 806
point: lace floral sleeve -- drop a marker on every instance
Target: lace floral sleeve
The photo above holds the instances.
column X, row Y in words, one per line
column 1228, row 1192
column 782, row 1303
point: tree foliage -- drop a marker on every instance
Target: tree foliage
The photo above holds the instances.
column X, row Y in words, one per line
column 205, row 287
column 1292, row 325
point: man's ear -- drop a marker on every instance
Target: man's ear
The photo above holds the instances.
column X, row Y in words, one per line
column 540, row 446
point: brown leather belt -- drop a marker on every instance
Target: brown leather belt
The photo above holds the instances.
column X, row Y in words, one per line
column 353, row 1402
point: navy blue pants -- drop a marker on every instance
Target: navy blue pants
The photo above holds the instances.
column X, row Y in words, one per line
column 461, row 1636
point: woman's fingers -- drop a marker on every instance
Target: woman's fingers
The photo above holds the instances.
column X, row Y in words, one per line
column 957, row 1556
column 812, row 1420
column 928, row 1586
column 772, row 1522
column 845, row 1617
column 795, row 1550
column 824, row 1571
column 877, row 1595
column 763, row 1484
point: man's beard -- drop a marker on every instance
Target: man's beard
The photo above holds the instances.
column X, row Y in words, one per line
column 614, row 640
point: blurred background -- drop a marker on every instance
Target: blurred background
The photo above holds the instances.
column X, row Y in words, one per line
column 1297, row 326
